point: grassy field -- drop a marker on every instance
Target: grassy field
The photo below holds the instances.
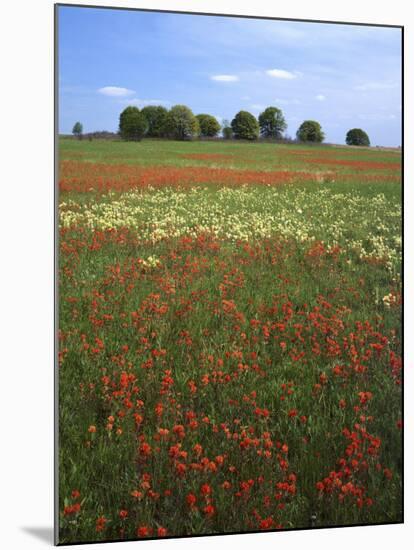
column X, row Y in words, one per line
column 230, row 338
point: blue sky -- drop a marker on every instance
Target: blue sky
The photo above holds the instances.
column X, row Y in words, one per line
column 344, row 76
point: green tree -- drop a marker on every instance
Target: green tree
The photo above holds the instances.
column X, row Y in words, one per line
column 356, row 136
column 132, row 124
column 245, row 126
column 181, row 123
column 77, row 130
column 156, row 116
column 227, row 130
column 310, row 130
column 272, row 123
column 209, row 125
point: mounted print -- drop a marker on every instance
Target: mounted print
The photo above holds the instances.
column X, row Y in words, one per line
column 229, row 280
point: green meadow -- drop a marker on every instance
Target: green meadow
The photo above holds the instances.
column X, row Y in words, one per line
column 229, row 337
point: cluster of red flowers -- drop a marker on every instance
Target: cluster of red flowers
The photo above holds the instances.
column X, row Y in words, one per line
column 75, row 506
column 359, row 461
column 84, row 177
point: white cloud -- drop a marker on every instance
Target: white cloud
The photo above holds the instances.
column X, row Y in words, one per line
column 281, row 73
column 115, row 91
column 368, row 86
column 225, row 77
column 320, row 97
column 245, row 98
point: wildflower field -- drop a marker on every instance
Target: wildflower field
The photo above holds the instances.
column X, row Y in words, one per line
column 229, row 338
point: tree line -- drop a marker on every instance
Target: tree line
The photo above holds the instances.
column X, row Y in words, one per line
column 179, row 122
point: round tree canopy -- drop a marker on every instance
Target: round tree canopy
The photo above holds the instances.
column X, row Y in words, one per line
column 245, row 126
column 356, row 136
column 310, row 130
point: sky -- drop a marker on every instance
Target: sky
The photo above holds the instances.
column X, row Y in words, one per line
column 343, row 76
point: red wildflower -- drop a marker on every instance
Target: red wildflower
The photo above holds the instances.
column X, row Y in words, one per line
column 265, row 524
column 364, row 396
column 209, row 510
column 191, row 499
column 205, row 489
column 143, row 531
column 101, row 523
column 73, row 509
column 145, row 449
